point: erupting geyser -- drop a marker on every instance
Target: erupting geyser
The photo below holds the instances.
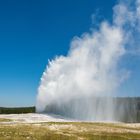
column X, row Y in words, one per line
column 81, row 84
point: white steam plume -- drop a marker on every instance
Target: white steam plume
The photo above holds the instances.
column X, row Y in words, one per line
column 71, row 85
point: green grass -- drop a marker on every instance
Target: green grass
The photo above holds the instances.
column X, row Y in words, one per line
column 5, row 120
column 68, row 131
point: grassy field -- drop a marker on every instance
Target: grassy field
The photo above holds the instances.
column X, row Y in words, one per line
column 5, row 120
column 69, row 131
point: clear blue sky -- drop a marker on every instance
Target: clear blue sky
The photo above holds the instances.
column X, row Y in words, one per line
column 33, row 31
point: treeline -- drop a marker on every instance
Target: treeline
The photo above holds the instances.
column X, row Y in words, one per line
column 17, row 110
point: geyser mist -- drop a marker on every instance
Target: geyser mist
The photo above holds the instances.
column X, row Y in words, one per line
column 81, row 85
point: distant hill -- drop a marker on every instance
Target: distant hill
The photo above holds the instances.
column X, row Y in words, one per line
column 17, row 110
